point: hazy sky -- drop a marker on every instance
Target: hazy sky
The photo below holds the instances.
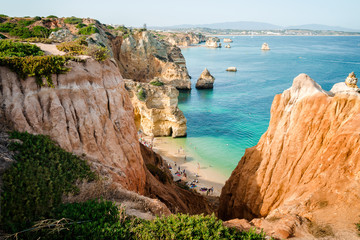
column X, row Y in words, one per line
column 135, row 13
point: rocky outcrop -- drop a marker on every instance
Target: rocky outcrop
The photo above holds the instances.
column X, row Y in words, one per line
column 231, row 69
column 351, row 81
column 212, row 42
column 305, row 169
column 227, row 46
column 205, row 81
column 156, row 109
column 265, row 47
column 184, row 39
column 87, row 112
column 142, row 57
column 227, row 40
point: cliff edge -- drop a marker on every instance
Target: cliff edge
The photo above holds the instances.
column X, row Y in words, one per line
column 303, row 176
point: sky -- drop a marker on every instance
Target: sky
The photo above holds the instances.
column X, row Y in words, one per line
column 167, row 13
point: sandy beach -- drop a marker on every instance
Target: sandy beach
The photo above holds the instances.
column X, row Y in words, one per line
column 207, row 176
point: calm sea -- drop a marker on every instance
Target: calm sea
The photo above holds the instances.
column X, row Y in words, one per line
column 223, row 122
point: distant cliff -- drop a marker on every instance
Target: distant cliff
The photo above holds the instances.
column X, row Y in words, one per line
column 302, row 177
column 142, row 57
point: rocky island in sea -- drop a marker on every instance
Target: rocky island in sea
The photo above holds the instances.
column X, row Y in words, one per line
column 75, row 105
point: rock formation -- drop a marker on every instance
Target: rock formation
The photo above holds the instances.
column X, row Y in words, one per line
column 142, row 57
column 227, row 40
column 265, row 47
column 351, row 80
column 227, row 46
column 304, row 172
column 212, row 42
column 88, row 112
column 156, row 109
column 231, row 69
column 184, row 39
column 205, row 81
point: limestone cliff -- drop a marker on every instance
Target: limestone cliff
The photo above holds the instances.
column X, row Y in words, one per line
column 184, row 39
column 156, row 109
column 87, row 112
column 142, row 57
column 212, row 42
column 305, row 168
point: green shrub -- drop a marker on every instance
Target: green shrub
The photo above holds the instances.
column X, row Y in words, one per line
column 7, row 27
column 76, row 47
column 34, row 185
column 183, row 226
column 156, row 83
column 157, row 172
column 4, row 16
column 73, row 20
column 21, row 32
column 39, row 31
column 35, row 40
column 37, row 66
column 2, row 36
column 141, row 95
column 88, row 30
column 109, row 27
column 37, row 18
column 9, row 48
column 51, row 16
column 25, row 23
column 99, row 53
column 80, row 25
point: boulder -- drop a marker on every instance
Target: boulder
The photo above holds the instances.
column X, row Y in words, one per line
column 205, row 81
column 227, row 46
column 62, row 35
column 351, row 81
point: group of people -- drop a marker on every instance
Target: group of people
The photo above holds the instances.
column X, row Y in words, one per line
column 144, row 142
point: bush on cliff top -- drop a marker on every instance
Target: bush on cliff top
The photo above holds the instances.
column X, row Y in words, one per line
column 34, row 185
column 73, row 20
column 88, row 30
column 10, row 49
column 37, row 66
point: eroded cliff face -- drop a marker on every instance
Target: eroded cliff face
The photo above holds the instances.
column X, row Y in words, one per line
column 156, row 109
column 305, row 168
column 87, row 112
column 184, row 39
column 142, row 57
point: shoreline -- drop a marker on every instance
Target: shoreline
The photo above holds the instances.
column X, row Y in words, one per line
column 172, row 154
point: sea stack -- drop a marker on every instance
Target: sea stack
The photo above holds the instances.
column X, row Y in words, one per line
column 227, row 46
column 205, row 81
column 212, row 42
column 227, row 40
column 265, row 47
column 351, row 80
column 231, row 69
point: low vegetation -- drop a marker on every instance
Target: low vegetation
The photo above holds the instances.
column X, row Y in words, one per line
column 141, row 95
column 156, row 82
column 43, row 172
column 34, row 185
column 88, row 30
column 81, row 47
column 11, row 49
column 73, row 20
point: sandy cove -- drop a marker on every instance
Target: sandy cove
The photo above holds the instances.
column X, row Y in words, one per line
column 172, row 153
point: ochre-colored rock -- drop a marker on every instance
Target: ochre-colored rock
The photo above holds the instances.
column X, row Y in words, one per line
column 228, row 40
column 305, row 166
column 205, row 81
column 87, row 112
column 351, row 80
column 156, row 109
column 265, row 47
column 142, row 57
column 212, row 42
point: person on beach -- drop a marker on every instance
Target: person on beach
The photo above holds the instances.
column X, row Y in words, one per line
column 185, row 157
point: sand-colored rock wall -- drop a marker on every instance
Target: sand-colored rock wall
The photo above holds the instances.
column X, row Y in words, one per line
column 157, row 114
column 87, row 112
column 305, row 168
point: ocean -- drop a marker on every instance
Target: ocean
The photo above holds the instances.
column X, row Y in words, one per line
column 226, row 120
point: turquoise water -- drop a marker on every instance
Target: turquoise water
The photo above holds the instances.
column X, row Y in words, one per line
column 223, row 122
